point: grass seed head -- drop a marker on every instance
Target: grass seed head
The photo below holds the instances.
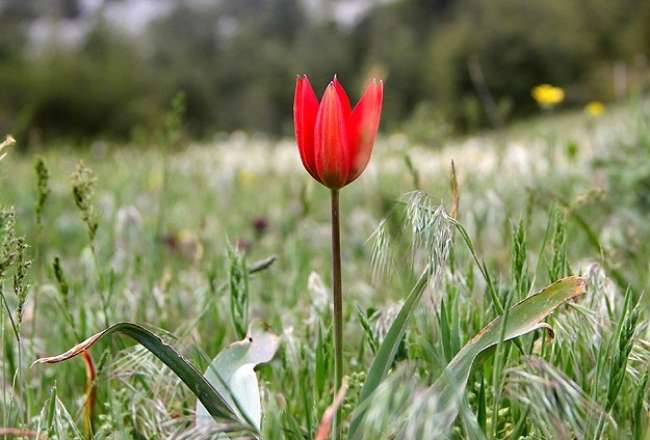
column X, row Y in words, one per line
column 83, row 191
column 9, row 141
column 42, row 187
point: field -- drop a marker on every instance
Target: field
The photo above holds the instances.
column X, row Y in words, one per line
column 168, row 239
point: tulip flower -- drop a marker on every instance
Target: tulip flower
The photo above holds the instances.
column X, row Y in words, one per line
column 335, row 143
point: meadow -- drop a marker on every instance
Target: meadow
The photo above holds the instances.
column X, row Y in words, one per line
column 199, row 243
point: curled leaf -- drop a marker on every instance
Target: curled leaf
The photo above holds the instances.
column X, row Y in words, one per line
column 215, row 403
column 328, row 416
column 91, row 395
column 22, row 433
column 232, row 374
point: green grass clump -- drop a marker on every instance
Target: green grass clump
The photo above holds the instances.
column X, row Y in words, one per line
column 244, row 238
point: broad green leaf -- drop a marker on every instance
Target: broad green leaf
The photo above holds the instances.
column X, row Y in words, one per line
column 388, row 348
column 232, row 374
column 215, row 403
column 524, row 317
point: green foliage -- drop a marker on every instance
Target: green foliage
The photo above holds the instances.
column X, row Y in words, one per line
column 519, row 261
column 619, row 348
column 639, row 419
column 558, row 266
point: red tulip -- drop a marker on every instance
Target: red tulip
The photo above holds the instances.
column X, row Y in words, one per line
column 335, row 141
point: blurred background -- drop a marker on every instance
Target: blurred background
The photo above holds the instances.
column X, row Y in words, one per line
column 85, row 69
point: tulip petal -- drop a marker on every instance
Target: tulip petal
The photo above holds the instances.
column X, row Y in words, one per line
column 331, row 140
column 343, row 97
column 305, row 109
column 363, row 126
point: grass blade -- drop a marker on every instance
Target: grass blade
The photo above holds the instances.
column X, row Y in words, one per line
column 388, row 348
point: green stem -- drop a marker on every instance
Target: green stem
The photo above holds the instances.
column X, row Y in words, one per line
column 338, row 307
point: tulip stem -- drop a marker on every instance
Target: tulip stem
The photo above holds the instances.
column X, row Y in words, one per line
column 338, row 307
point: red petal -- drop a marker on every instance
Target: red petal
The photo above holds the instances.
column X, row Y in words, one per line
column 345, row 101
column 331, row 140
column 305, row 108
column 363, row 126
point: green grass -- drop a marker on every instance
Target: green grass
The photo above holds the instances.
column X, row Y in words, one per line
column 121, row 239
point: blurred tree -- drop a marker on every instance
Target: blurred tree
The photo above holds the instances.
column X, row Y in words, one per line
column 519, row 45
column 444, row 61
column 400, row 57
column 70, row 9
column 186, row 55
column 14, row 16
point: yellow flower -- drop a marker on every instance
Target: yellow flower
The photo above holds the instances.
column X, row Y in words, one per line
column 9, row 141
column 547, row 96
column 595, row 108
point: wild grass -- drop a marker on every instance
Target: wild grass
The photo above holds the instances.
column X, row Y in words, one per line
column 77, row 255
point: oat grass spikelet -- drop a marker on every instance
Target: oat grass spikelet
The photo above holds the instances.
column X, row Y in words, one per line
column 8, row 142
